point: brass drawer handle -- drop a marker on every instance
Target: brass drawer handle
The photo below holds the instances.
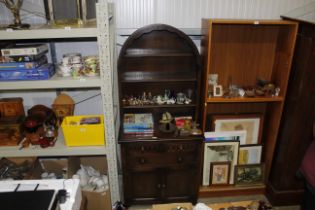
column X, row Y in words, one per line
column 180, row 148
column 142, row 160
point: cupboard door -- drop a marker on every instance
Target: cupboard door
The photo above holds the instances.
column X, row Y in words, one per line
column 180, row 185
column 142, row 187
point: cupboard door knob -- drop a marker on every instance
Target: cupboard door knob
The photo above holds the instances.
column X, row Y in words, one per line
column 163, row 186
column 179, row 160
column 159, row 186
column 180, row 148
column 142, row 149
column 142, row 160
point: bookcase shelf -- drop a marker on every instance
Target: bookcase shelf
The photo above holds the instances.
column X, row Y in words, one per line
column 154, row 59
column 53, row 83
column 60, row 149
column 242, row 52
column 50, row 32
column 244, row 100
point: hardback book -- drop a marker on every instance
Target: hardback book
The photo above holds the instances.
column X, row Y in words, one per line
column 139, row 121
column 23, row 65
column 41, row 73
column 24, row 49
column 21, row 58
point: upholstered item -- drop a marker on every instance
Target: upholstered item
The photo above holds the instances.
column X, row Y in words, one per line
column 308, row 163
column 308, row 171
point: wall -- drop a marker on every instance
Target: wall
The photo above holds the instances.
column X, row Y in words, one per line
column 179, row 13
column 132, row 14
column 188, row 13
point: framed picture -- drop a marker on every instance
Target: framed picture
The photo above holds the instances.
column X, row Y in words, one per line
column 220, row 173
column 251, row 123
column 70, row 11
column 249, row 174
column 219, row 151
column 217, row 90
column 226, row 136
column 250, row 154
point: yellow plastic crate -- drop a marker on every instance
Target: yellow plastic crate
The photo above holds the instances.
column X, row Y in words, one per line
column 77, row 134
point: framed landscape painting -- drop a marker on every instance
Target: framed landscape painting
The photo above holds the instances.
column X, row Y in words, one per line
column 251, row 174
column 251, row 123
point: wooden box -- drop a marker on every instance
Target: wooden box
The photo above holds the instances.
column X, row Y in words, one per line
column 11, row 107
column 10, row 132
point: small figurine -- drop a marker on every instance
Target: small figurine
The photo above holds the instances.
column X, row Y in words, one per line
column 194, row 130
column 159, row 100
column 171, row 101
column 277, row 91
column 166, row 123
column 180, row 98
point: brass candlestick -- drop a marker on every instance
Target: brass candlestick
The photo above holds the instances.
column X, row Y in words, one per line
column 14, row 7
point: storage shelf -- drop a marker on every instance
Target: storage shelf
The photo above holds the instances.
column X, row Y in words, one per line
column 157, row 136
column 49, row 32
column 54, row 82
column 160, row 80
column 155, row 53
column 159, row 106
column 102, row 31
column 60, row 149
column 231, row 190
column 244, row 100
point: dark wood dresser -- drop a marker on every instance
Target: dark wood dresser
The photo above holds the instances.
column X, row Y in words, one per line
column 157, row 62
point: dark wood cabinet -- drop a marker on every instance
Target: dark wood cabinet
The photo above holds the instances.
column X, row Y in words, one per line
column 158, row 172
column 295, row 133
column 164, row 166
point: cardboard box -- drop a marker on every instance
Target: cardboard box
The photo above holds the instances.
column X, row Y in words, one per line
column 172, row 206
column 58, row 166
column 94, row 200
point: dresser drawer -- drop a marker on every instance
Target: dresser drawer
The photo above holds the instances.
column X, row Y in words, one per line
column 161, row 154
column 161, row 147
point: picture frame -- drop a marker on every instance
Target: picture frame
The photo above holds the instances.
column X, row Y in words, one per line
column 251, row 174
column 217, row 90
column 70, row 12
column 226, row 136
column 88, row 10
column 251, row 123
column 249, row 154
column 220, row 173
column 219, row 151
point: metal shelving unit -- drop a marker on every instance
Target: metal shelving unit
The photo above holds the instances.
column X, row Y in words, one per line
column 103, row 32
column 52, row 83
column 58, row 150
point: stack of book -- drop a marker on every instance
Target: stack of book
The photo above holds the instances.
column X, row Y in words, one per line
column 25, row 62
column 138, row 124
